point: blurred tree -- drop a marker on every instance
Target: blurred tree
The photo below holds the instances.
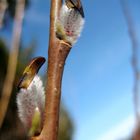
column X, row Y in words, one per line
column 127, row 139
column 65, row 125
column 13, row 59
column 11, row 122
column 12, row 5
column 3, row 62
column 12, row 128
column 10, row 12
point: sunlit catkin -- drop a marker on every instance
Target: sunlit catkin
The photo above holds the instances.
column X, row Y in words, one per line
column 70, row 22
column 31, row 101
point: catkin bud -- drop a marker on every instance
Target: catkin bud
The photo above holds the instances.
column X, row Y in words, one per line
column 31, row 101
column 69, row 24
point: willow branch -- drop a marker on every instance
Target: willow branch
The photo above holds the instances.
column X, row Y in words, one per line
column 57, row 54
column 12, row 62
column 53, row 91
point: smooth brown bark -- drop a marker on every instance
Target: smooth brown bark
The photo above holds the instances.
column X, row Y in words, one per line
column 57, row 54
column 56, row 64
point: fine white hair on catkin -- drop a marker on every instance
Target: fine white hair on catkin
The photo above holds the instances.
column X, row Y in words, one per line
column 29, row 99
column 72, row 23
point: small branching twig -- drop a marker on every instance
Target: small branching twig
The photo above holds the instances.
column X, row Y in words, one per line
column 12, row 63
column 135, row 63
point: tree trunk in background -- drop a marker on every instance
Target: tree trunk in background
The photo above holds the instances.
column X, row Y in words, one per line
column 12, row 62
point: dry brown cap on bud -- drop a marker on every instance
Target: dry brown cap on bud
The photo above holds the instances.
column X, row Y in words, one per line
column 76, row 4
column 30, row 71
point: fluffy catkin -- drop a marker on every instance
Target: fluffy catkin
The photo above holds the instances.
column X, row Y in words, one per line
column 29, row 99
column 69, row 24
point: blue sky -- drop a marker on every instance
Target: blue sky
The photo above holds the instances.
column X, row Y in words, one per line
column 98, row 77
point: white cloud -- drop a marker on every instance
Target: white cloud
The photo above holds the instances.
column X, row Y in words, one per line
column 122, row 130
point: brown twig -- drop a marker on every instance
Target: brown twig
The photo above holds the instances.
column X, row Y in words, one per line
column 53, row 91
column 12, row 62
column 135, row 61
column 57, row 54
